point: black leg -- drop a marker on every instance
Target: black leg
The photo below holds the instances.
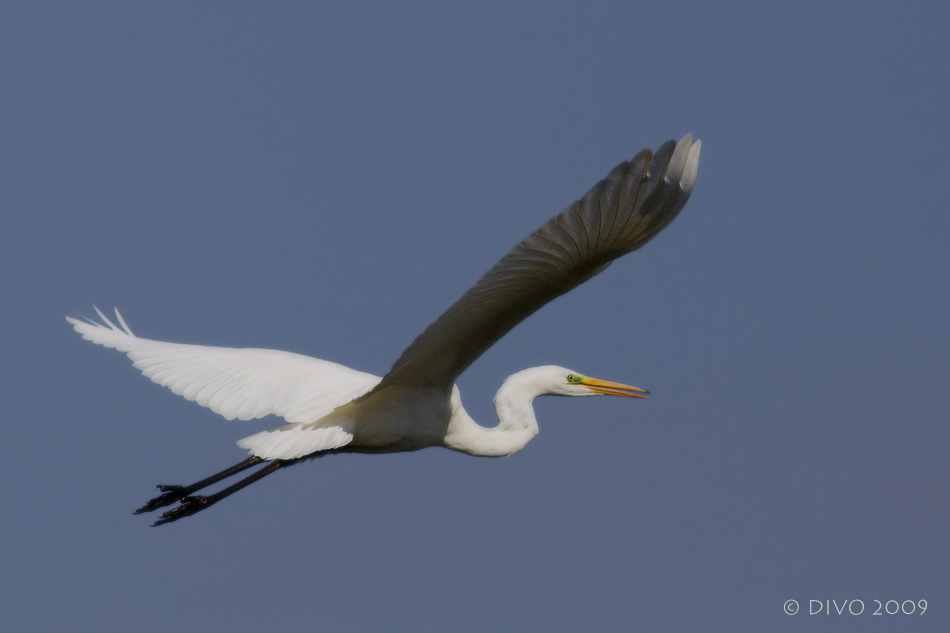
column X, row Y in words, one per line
column 191, row 505
column 173, row 494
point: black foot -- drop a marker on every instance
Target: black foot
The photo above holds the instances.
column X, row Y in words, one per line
column 173, row 494
column 189, row 506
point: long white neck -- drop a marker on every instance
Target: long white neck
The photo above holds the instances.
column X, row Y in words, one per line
column 516, row 422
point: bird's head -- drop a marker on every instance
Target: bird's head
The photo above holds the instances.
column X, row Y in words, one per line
column 558, row 381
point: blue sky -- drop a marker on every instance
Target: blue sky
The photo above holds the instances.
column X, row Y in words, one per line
column 328, row 178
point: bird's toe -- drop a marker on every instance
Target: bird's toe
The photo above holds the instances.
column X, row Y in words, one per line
column 170, row 495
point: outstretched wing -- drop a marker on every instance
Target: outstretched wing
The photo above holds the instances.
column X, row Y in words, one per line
column 620, row 214
column 236, row 383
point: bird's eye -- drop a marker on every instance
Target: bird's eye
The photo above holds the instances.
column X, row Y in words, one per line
column 574, row 378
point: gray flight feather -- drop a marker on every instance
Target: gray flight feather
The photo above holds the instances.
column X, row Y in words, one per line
column 620, row 214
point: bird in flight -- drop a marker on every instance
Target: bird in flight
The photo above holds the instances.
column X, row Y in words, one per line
column 330, row 408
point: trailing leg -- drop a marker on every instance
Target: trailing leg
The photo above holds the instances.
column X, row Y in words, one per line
column 191, row 505
column 173, row 494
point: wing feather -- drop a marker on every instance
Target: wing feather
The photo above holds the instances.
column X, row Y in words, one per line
column 236, row 383
column 298, row 440
column 618, row 215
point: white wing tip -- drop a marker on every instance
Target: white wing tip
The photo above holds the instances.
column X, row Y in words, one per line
column 683, row 163
column 692, row 167
column 105, row 325
column 105, row 333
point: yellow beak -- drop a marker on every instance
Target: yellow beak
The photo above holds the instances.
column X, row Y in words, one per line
column 614, row 388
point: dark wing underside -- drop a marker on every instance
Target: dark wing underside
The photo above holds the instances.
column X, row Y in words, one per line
column 620, row 214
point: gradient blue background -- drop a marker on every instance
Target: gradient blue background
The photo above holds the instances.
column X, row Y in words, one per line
column 326, row 178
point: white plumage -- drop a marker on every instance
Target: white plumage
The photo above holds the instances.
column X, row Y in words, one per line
column 246, row 384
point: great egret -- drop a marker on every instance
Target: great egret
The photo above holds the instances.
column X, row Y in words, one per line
column 333, row 409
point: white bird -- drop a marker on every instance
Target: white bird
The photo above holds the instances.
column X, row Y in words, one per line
column 330, row 408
